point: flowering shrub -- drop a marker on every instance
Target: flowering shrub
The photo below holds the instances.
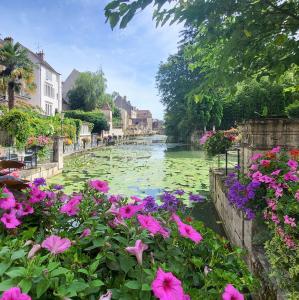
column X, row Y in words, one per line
column 67, row 141
column 218, row 142
column 90, row 245
column 271, row 190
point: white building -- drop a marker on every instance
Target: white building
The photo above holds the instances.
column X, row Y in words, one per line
column 47, row 95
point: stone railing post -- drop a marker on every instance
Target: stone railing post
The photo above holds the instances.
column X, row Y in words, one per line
column 58, row 151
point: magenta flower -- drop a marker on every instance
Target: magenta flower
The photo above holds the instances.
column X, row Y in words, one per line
column 86, row 232
column 167, row 287
column 137, row 250
column 187, row 230
column 114, row 198
column 276, row 172
column 10, row 220
column 101, row 186
column 275, row 218
column 36, row 195
column 55, row 244
column 114, row 210
column 265, row 162
column 9, row 201
column 128, row 211
column 256, row 156
column 136, row 199
column 231, row 293
column 275, row 150
column 14, row 293
column 27, row 209
column 254, row 167
column 152, row 225
column 292, row 164
column 290, row 177
column 118, row 220
column 289, row 221
column 71, row 208
column 35, row 248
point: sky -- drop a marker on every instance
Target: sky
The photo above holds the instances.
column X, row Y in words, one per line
column 73, row 34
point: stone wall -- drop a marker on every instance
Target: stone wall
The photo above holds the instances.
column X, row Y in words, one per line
column 45, row 171
column 263, row 134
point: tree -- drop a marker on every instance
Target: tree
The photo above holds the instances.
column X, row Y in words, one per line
column 235, row 39
column 17, row 70
column 89, row 91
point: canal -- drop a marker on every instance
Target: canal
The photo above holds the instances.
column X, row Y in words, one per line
column 146, row 166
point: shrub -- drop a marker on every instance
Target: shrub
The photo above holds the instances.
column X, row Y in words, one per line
column 95, row 117
column 271, row 191
column 82, row 245
column 292, row 110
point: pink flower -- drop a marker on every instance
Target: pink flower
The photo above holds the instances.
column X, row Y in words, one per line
column 290, row 177
column 289, row 242
column 114, row 198
column 71, row 208
column 152, row 225
column 167, row 287
column 101, row 186
column 118, row 220
column 55, row 244
column 187, row 297
column 265, row 179
column 271, row 204
column 276, row 149
column 35, row 248
column 27, row 209
column 290, row 221
column 36, row 195
column 128, row 211
column 14, row 293
column 10, row 220
column 254, row 167
column 265, row 162
column 187, row 230
column 256, row 156
column 292, row 164
column 9, row 201
column 276, row 172
column 257, row 175
column 137, row 250
column 114, row 210
column 106, row 296
column 136, row 199
column 86, row 232
column 275, row 218
column 231, row 293
column 297, row 195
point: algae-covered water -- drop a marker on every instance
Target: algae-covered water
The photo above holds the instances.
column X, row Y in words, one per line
column 148, row 166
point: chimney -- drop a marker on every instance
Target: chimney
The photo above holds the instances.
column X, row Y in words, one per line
column 41, row 54
column 8, row 39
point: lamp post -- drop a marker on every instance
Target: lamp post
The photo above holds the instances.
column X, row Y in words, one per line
column 61, row 123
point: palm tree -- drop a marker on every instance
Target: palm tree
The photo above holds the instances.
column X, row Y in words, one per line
column 16, row 70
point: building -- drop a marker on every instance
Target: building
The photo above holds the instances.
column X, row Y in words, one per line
column 67, row 85
column 144, row 120
column 123, row 104
column 47, row 95
column 158, row 126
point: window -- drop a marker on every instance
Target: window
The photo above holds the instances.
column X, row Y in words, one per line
column 48, row 75
column 49, row 109
column 49, row 90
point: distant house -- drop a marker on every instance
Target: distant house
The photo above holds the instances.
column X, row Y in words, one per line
column 122, row 104
column 67, row 85
column 144, row 120
column 47, row 95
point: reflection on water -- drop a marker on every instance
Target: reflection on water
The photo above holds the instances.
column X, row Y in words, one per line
column 145, row 168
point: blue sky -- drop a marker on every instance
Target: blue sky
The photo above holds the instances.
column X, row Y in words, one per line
column 73, row 34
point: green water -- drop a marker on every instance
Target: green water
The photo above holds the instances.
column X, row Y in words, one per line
column 145, row 168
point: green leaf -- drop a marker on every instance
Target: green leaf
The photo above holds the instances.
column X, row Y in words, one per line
column 247, row 33
column 145, row 287
column 18, row 254
column 94, row 266
column 25, row 285
column 59, row 271
column 133, row 285
column 113, row 19
column 84, row 271
column 41, row 287
column 126, row 263
column 53, row 265
column 6, row 284
column 3, row 267
column 97, row 283
column 16, row 272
